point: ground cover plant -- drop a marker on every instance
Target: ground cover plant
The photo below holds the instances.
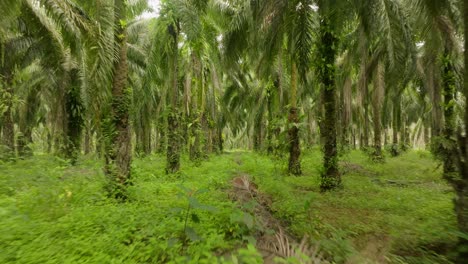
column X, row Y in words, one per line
column 397, row 212
column 233, row 131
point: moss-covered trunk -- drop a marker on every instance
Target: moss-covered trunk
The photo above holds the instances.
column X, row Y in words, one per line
column 118, row 152
column 331, row 177
column 173, row 144
column 294, row 166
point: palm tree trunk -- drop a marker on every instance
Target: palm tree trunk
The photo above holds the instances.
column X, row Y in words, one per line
column 195, row 129
column 257, row 133
column 74, row 112
column 395, row 126
column 293, row 120
column 87, row 141
column 331, row 177
column 118, row 152
column 162, row 131
column 147, row 149
column 449, row 87
column 377, row 103
column 8, row 135
column 461, row 203
column 173, row 146
column 437, row 115
column 346, row 112
column 26, row 124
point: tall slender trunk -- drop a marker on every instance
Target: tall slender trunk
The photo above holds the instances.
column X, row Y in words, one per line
column 118, row 150
column 294, row 166
column 195, row 129
column 404, row 133
column 173, row 146
column 162, row 131
column 258, row 132
column 461, row 202
column 363, row 98
column 331, row 177
column 27, row 122
column 365, row 139
column 395, row 126
column 8, row 128
column 436, row 96
column 87, row 141
column 59, row 117
column 449, row 90
column 270, row 127
column 346, row 112
column 377, row 104
column 74, row 111
column 147, row 149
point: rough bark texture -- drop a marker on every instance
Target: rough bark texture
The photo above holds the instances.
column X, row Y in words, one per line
column 294, row 166
column 331, row 177
column 118, row 152
column 173, row 148
column 377, row 104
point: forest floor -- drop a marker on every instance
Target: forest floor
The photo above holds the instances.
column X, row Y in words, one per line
column 397, row 212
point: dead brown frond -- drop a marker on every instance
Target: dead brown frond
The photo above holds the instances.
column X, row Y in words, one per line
column 283, row 246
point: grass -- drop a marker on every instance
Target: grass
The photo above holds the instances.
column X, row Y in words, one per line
column 400, row 211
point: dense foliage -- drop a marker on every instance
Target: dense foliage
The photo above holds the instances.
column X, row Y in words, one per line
column 113, row 86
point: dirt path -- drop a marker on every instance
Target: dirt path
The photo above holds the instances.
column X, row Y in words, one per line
column 271, row 236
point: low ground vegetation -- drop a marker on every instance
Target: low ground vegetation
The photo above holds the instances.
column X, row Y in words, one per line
column 400, row 211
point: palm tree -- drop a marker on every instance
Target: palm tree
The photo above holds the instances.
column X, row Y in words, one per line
column 118, row 148
column 461, row 204
column 327, row 52
column 288, row 27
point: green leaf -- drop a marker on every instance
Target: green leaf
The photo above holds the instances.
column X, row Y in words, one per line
column 248, row 220
column 191, row 234
column 123, row 23
column 172, row 241
column 195, row 218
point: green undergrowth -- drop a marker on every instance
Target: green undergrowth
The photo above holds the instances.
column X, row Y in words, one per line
column 399, row 211
column 53, row 213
